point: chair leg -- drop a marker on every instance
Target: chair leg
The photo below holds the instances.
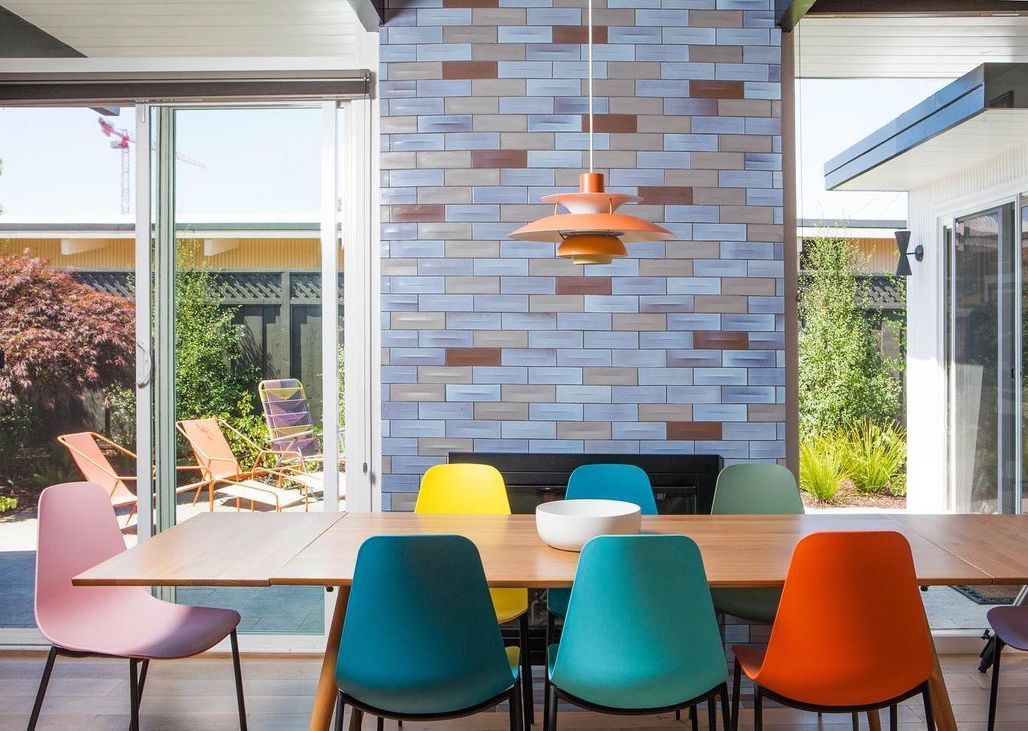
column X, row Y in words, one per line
column 997, row 652
column 758, row 710
column 678, row 714
column 726, row 718
column 712, row 713
column 893, row 717
column 340, row 711
column 356, row 719
column 143, row 667
column 551, row 713
column 526, row 672
column 380, row 724
column 133, row 695
column 238, row 672
column 736, row 683
column 694, row 718
column 928, row 715
column 513, row 705
column 44, row 681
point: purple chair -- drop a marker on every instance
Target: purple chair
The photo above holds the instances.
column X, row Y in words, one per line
column 77, row 530
column 1010, row 625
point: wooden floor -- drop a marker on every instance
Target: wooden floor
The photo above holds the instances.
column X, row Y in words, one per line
column 198, row 694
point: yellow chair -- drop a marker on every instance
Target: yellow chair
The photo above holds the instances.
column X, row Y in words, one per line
column 478, row 489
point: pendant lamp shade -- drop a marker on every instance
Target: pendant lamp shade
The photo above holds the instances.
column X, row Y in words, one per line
column 591, row 232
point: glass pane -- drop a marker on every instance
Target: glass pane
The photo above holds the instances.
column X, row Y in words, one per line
column 69, row 330
column 248, row 332
column 976, row 398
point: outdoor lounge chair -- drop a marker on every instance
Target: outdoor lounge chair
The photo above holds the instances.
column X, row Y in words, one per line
column 290, row 423
column 287, row 414
column 222, row 472
column 96, row 468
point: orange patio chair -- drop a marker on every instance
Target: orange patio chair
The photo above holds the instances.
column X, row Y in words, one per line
column 95, row 467
column 850, row 634
column 222, row 472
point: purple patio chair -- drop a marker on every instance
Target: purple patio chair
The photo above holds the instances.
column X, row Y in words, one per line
column 288, row 416
column 77, row 530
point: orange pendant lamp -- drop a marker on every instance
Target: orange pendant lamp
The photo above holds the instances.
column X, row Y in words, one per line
column 591, row 232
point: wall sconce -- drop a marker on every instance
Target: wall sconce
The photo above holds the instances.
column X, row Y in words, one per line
column 902, row 243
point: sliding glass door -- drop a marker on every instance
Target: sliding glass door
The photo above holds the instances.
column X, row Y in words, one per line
column 983, row 366
column 246, row 324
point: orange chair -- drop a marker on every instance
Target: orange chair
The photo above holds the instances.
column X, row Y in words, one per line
column 85, row 448
column 850, row 634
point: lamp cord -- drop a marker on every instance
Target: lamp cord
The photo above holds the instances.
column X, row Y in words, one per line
column 590, row 17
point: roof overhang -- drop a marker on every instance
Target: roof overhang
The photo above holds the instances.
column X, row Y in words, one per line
column 976, row 117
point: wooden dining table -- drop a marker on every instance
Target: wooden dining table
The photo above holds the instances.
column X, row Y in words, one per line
column 320, row 549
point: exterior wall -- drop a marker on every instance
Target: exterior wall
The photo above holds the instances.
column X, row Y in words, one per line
column 494, row 345
column 981, row 186
column 252, row 254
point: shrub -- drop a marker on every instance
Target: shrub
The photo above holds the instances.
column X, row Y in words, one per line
column 874, row 456
column 843, row 377
column 7, row 503
column 822, row 468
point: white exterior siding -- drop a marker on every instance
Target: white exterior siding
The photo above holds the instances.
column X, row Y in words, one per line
column 997, row 180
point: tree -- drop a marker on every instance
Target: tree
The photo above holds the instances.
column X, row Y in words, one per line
column 60, row 338
column 843, row 377
column 61, row 341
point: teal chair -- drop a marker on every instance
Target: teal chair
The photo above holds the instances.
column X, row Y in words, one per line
column 754, row 489
column 601, row 482
column 640, row 636
column 420, row 640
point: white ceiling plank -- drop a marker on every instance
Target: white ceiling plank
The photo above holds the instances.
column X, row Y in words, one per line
column 221, row 28
column 830, row 47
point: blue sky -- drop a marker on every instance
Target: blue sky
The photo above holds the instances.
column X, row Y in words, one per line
column 259, row 164
column 263, row 164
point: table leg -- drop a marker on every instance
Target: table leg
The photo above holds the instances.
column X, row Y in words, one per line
column 325, row 698
column 941, row 707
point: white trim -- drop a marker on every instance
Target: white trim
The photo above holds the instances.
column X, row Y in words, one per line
column 144, row 376
column 329, row 300
column 177, row 64
column 361, row 304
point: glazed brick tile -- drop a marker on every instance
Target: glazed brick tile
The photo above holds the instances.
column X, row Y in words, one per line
column 478, row 102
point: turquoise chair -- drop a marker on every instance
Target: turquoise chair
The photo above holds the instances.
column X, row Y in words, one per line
column 601, row 482
column 754, row 489
column 420, row 640
column 640, row 635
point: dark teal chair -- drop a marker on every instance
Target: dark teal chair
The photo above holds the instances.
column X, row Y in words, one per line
column 601, row 482
column 640, row 634
column 420, row 640
column 754, row 489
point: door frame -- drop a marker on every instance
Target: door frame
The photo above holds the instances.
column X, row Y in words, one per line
column 946, row 217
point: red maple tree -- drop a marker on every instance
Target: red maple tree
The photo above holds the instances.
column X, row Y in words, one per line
column 60, row 338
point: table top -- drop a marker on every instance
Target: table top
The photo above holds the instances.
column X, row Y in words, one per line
column 995, row 544
column 738, row 550
column 319, row 549
column 213, row 549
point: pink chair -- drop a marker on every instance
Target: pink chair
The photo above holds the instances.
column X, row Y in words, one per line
column 77, row 530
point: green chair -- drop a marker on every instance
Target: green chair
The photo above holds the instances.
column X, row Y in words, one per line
column 601, row 482
column 753, row 489
column 420, row 640
column 640, row 636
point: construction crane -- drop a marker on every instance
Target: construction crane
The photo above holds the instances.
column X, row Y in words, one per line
column 120, row 140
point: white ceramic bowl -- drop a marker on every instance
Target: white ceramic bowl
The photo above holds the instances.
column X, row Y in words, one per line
column 569, row 524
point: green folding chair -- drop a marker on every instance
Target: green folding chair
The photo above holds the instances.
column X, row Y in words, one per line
column 754, row 489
